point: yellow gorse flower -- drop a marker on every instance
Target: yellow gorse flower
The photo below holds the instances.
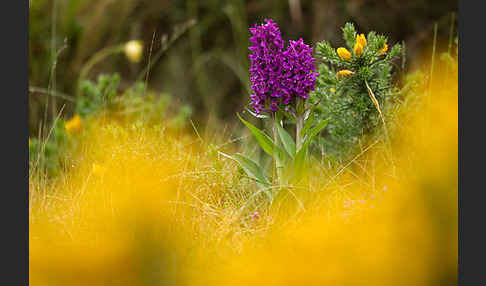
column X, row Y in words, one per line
column 134, row 50
column 384, row 49
column 345, row 73
column 344, row 54
column 74, row 124
column 358, row 49
column 332, row 89
column 361, row 39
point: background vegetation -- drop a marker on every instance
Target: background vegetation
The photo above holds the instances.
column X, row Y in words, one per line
column 206, row 66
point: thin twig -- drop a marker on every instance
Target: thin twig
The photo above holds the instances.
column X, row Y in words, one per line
column 148, row 72
column 165, row 46
column 53, row 56
column 377, row 105
column 41, row 90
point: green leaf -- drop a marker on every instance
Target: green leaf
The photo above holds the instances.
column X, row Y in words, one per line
column 286, row 139
column 251, row 168
column 254, row 171
column 301, row 154
column 308, row 122
column 315, row 130
column 298, row 163
column 263, row 139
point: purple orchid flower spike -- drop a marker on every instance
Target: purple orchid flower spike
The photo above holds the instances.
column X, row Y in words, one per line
column 278, row 76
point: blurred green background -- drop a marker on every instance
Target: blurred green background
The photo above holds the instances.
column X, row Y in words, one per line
column 198, row 50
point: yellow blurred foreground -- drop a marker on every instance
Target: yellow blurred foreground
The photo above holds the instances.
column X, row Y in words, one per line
column 142, row 207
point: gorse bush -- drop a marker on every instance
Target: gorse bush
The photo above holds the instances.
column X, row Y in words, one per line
column 134, row 104
column 102, row 98
column 48, row 154
column 353, row 86
column 97, row 96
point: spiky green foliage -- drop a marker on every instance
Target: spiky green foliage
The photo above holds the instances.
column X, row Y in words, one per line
column 346, row 101
column 45, row 155
column 96, row 95
column 135, row 105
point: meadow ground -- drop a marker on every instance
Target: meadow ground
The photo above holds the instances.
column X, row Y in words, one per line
column 141, row 205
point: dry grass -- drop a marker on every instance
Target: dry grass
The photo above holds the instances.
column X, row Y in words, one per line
column 165, row 209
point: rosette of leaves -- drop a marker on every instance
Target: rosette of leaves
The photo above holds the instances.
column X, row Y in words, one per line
column 290, row 158
column 282, row 79
column 353, row 86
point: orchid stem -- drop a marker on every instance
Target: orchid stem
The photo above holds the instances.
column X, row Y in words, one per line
column 298, row 130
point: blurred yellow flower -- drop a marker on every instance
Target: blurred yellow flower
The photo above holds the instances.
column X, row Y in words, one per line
column 345, row 73
column 361, row 39
column 98, row 170
column 384, row 49
column 358, row 49
column 344, row 54
column 332, row 89
column 74, row 124
column 134, row 50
